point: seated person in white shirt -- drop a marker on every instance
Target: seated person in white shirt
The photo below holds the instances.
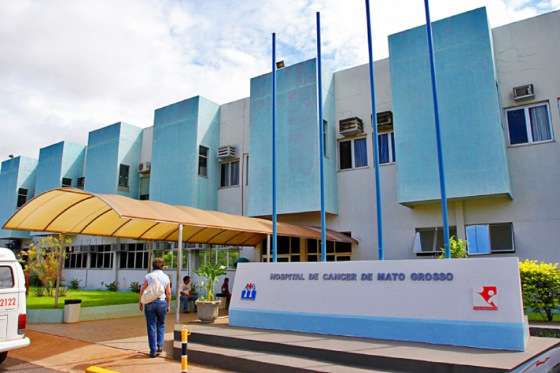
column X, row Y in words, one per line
column 186, row 291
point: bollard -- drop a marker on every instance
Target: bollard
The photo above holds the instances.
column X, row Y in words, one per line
column 184, row 340
column 94, row 369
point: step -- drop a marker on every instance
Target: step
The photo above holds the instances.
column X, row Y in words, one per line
column 239, row 360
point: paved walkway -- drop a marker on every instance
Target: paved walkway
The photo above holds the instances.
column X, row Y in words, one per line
column 118, row 344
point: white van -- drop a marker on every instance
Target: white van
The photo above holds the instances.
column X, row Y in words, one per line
column 12, row 304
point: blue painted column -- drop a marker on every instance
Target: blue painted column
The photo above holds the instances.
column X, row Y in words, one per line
column 444, row 212
column 321, row 142
column 380, row 250
column 274, row 215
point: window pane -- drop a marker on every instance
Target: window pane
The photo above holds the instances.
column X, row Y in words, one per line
column 234, row 172
column 283, row 245
column 325, row 132
column 540, row 126
column 122, row 260
column 427, row 237
column 123, row 175
column 6, row 278
column 517, row 126
column 224, row 174
column 501, row 236
column 393, row 147
column 202, row 161
column 139, row 260
column 360, row 152
column 478, row 239
column 383, row 148
column 345, row 150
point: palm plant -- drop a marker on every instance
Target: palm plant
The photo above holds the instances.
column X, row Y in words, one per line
column 210, row 272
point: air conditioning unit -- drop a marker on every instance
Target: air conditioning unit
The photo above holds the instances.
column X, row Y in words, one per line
column 385, row 121
column 227, row 152
column 350, row 126
column 144, row 167
column 523, row 92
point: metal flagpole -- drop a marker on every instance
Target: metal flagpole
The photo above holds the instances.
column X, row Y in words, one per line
column 179, row 262
column 380, row 250
column 274, row 215
column 444, row 212
column 321, row 142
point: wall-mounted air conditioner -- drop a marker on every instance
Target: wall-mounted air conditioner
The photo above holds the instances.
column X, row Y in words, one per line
column 385, row 121
column 523, row 92
column 227, row 152
column 144, row 167
column 350, row 126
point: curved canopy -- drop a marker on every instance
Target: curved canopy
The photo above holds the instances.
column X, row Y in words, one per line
column 74, row 211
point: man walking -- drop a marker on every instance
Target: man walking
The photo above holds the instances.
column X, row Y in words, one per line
column 155, row 298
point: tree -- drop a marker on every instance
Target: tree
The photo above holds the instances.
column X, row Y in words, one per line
column 46, row 259
column 457, row 247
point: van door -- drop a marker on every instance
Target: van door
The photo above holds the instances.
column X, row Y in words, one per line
column 8, row 302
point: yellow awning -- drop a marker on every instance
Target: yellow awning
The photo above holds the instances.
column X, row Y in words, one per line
column 74, row 211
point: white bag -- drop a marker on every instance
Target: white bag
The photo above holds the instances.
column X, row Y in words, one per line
column 153, row 291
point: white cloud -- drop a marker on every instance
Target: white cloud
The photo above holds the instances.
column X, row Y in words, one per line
column 69, row 67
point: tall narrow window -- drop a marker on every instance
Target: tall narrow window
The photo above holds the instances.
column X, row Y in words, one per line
column 81, row 182
column 202, row 161
column 386, row 142
column 360, row 152
column 123, row 176
column 529, row 124
column 229, row 174
column 22, row 197
column 325, row 133
column 247, row 169
column 345, row 154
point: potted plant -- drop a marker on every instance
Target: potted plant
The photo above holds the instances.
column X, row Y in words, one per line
column 207, row 305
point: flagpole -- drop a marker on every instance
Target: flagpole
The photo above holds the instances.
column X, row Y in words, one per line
column 441, row 169
column 274, row 215
column 375, row 139
column 321, row 142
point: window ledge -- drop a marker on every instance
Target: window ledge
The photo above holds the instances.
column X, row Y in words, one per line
column 353, row 169
column 531, row 143
column 229, row 187
column 388, row 164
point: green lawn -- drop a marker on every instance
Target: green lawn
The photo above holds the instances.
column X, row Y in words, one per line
column 90, row 298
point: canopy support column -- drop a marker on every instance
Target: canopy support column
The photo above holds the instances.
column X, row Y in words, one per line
column 268, row 248
column 178, row 281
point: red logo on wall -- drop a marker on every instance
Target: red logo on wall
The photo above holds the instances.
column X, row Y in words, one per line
column 484, row 299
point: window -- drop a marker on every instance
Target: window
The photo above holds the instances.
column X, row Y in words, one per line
column 490, row 238
column 246, row 169
column 101, row 257
column 336, row 251
column 6, row 277
column 66, row 182
column 386, row 143
column 529, row 124
column 287, row 249
column 202, row 161
column 229, row 174
column 430, row 240
column 144, row 187
column 123, row 176
column 133, row 256
column 81, row 182
column 75, row 258
column 353, row 153
column 22, row 197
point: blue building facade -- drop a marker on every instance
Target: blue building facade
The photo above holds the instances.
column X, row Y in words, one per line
column 297, row 147
column 470, row 114
column 113, row 155
column 184, row 153
column 60, row 164
column 17, row 186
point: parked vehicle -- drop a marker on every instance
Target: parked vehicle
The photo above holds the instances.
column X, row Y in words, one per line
column 13, row 318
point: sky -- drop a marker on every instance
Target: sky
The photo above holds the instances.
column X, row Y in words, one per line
column 68, row 67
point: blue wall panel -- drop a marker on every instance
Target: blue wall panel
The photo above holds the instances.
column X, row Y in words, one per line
column 179, row 129
column 15, row 173
column 472, row 136
column 56, row 161
column 297, row 142
column 108, row 147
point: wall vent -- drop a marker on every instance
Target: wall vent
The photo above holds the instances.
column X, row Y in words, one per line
column 523, row 92
column 351, row 126
column 227, row 152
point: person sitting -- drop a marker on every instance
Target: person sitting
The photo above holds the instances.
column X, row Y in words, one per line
column 186, row 291
column 225, row 293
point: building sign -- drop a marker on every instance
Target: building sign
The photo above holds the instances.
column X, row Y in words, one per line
column 472, row 302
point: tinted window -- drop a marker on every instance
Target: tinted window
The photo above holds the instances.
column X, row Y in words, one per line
column 6, row 277
column 345, row 154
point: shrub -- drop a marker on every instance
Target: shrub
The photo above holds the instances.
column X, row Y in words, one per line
column 457, row 247
column 113, row 286
column 210, row 272
column 62, row 291
column 135, row 287
column 39, row 292
column 75, row 284
column 540, row 283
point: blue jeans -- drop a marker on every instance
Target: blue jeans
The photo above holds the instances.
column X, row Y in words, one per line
column 185, row 300
column 155, row 321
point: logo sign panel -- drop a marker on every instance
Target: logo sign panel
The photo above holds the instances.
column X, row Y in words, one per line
column 469, row 302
